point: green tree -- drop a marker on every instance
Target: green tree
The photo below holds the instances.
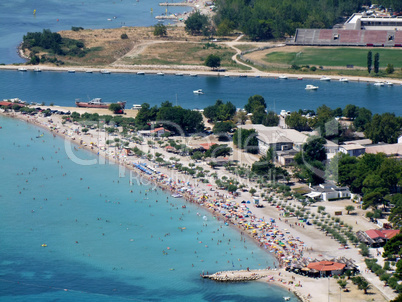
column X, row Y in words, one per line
column 314, row 149
column 222, row 128
column 296, row 121
column 225, row 28
column 390, row 68
column 393, row 247
column 369, row 61
column 115, row 108
column 213, row 61
column 351, row 111
column 253, row 102
column 246, row 140
column 258, row 115
column 124, row 36
column 160, row 30
column 217, row 150
column 196, row 23
column 376, row 62
column 384, row 128
column 349, row 208
column 271, row 119
column 363, row 118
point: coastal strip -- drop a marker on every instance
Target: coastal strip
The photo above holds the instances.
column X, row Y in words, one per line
column 198, row 70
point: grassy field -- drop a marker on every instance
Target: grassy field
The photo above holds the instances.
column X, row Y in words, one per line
column 335, row 57
column 182, row 54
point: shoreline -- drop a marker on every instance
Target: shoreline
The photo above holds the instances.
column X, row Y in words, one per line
column 145, row 180
column 197, row 70
column 281, row 278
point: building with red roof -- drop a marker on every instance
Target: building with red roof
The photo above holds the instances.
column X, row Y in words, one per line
column 375, row 237
column 327, row 268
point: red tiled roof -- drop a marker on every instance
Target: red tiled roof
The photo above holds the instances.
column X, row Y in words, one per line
column 206, row 146
column 159, row 129
column 324, row 266
column 390, row 233
column 4, row 103
column 385, row 234
column 373, row 234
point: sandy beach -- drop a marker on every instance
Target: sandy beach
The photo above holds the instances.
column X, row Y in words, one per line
column 299, row 240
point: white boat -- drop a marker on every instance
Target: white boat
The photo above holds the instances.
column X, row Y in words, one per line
column 140, row 73
column 37, row 70
column 105, row 71
column 71, row 71
column 136, row 107
column 343, row 80
column 177, row 195
column 198, row 91
column 193, row 75
column 88, row 71
column 283, row 77
column 160, row 74
column 179, row 74
column 22, row 69
column 286, row 298
column 325, row 78
column 379, row 84
column 311, row 87
column 389, row 83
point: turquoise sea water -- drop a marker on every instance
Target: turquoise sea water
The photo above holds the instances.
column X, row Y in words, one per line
column 63, row 88
column 17, row 18
column 104, row 242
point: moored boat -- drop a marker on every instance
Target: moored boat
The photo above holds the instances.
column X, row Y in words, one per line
column 311, row 87
column 160, row 74
column 325, row 78
column 97, row 103
column 22, row 69
column 198, row 91
column 177, row 195
column 105, row 71
column 37, row 70
column 379, row 84
column 343, row 80
column 283, row 77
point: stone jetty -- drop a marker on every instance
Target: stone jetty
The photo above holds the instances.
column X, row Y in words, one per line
column 237, row 276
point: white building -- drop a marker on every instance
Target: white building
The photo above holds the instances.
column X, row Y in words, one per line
column 372, row 22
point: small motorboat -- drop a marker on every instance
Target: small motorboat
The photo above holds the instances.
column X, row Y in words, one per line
column 88, row 71
column 177, row 195
column 311, row 87
column 140, row 73
column 379, row 84
column 44, row 245
column 325, row 78
column 198, row 91
column 389, row 83
column 179, row 74
column 300, row 78
column 286, row 298
column 105, row 71
column 22, row 69
column 71, row 71
column 193, row 75
column 345, row 80
column 283, row 77
column 160, row 74
column 37, row 70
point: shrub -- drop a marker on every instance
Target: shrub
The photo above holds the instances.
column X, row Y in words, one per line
column 124, row 36
column 313, row 68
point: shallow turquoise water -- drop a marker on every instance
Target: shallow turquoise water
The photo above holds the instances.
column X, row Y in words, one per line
column 105, row 243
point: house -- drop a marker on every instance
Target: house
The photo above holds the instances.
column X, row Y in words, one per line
column 376, row 238
column 159, row 131
column 329, row 191
column 390, row 150
column 327, row 268
column 277, row 138
column 286, row 158
column 352, row 149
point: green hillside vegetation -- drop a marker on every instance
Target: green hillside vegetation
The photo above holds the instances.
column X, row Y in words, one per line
column 267, row 19
column 43, row 44
column 335, row 57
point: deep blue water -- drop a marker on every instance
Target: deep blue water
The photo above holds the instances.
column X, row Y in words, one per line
column 17, row 18
column 63, row 88
column 104, row 242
